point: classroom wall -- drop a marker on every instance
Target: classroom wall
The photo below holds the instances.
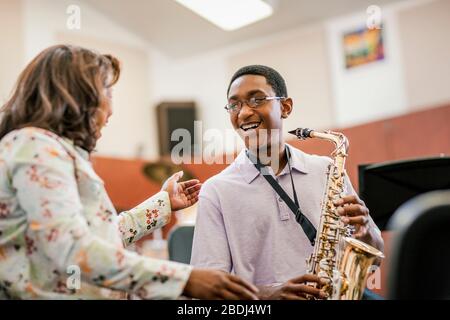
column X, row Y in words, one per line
column 413, row 76
column 12, row 47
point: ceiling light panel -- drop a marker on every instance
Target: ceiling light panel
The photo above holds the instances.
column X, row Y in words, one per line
column 229, row 14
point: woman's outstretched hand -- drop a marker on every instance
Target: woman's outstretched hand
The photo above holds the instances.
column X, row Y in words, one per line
column 181, row 194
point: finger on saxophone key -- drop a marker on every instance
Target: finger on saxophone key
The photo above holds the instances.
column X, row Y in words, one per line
column 323, row 294
column 340, row 211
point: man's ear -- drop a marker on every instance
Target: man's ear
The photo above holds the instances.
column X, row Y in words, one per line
column 286, row 107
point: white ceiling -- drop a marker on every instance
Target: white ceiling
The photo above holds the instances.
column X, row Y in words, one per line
column 179, row 33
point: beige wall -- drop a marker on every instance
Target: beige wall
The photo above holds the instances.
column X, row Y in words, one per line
column 303, row 62
column 371, row 91
column 301, row 55
column 29, row 26
column 131, row 130
column 12, row 47
column 425, row 44
column 324, row 98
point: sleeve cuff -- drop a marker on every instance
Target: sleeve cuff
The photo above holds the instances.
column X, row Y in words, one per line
column 151, row 214
column 168, row 283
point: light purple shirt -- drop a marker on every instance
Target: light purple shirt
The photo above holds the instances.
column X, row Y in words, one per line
column 245, row 228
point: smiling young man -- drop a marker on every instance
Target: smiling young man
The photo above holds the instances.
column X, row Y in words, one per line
column 243, row 226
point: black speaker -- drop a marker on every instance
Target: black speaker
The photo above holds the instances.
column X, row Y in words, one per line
column 172, row 116
column 384, row 187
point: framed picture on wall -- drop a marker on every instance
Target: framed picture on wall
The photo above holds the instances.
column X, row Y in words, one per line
column 363, row 46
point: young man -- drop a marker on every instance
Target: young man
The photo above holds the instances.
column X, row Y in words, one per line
column 243, row 225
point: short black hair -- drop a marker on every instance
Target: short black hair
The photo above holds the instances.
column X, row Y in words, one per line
column 273, row 78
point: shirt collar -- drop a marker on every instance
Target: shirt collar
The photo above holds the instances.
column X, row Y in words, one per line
column 298, row 159
column 83, row 153
column 249, row 172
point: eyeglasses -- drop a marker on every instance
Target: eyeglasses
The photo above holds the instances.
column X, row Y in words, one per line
column 254, row 102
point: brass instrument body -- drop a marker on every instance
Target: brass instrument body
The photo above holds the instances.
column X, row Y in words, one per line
column 337, row 257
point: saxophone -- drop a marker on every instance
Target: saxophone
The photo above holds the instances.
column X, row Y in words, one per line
column 342, row 260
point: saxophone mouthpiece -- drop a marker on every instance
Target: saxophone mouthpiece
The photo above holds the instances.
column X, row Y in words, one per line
column 302, row 133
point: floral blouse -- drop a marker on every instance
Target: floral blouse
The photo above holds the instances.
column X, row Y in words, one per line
column 60, row 236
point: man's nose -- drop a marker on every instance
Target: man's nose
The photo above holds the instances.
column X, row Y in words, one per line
column 245, row 111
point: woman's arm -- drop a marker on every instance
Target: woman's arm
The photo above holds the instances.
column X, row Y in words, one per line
column 153, row 213
column 156, row 211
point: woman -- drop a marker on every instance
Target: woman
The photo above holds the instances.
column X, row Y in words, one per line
column 57, row 223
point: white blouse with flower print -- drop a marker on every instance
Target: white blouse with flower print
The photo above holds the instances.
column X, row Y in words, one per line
column 60, row 236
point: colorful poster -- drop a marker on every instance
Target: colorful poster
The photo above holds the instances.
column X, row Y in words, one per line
column 363, row 46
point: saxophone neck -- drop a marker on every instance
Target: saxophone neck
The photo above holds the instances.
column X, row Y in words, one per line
column 340, row 141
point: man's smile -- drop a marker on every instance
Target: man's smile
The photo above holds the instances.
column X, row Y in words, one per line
column 250, row 125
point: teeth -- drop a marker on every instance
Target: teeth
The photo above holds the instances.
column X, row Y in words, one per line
column 250, row 126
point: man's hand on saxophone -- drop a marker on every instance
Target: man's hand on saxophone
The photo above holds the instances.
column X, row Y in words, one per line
column 354, row 212
column 299, row 288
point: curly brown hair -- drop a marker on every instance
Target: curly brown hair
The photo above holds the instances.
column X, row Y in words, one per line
column 61, row 91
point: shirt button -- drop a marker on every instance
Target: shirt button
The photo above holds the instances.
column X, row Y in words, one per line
column 279, row 199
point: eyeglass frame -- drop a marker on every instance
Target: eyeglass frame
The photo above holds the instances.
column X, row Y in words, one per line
column 247, row 102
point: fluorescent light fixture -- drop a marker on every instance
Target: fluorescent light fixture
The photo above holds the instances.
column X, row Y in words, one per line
column 229, row 14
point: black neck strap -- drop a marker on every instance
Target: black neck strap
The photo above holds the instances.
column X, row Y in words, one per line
column 306, row 225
